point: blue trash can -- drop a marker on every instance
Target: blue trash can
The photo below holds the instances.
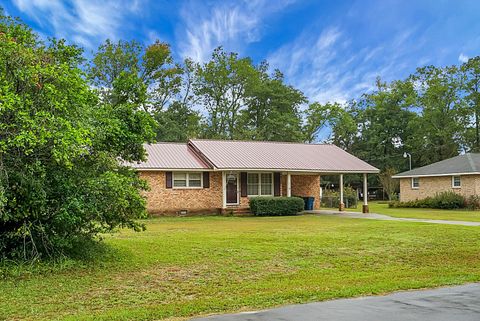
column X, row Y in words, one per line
column 308, row 203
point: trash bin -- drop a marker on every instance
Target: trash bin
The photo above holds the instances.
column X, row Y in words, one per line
column 308, row 203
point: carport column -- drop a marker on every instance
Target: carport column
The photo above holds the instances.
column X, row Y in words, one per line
column 365, row 194
column 289, row 185
column 341, row 206
column 224, row 190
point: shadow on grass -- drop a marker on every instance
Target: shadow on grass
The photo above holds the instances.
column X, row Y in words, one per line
column 86, row 255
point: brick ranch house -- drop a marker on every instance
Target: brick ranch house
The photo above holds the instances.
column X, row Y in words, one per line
column 211, row 176
column 460, row 174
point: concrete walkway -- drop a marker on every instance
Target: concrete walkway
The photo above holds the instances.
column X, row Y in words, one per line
column 459, row 303
column 373, row 216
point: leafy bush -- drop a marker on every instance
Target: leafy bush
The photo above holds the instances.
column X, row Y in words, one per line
column 473, row 202
column 444, row 200
column 276, row 206
column 60, row 180
column 331, row 198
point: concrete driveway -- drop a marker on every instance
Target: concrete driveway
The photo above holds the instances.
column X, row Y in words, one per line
column 459, row 303
column 382, row 217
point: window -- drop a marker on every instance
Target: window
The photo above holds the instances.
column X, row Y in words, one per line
column 179, row 179
column 187, row 180
column 456, row 182
column 252, row 184
column 259, row 184
column 194, row 180
column 415, row 182
column 266, row 180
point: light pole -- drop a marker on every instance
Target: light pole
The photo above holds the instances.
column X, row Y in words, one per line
column 405, row 155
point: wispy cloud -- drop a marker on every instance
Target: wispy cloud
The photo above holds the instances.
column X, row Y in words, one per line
column 231, row 25
column 463, row 58
column 85, row 22
column 332, row 69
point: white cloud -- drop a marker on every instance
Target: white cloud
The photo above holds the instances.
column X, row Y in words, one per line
column 463, row 58
column 86, row 22
column 231, row 25
column 332, row 69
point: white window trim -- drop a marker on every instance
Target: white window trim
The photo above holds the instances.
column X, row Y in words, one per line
column 415, row 187
column 187, row 177
column 453, row 181
column 260, row 184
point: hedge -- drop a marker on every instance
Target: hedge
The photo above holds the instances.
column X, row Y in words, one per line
column 276, row 206
column 444, row 200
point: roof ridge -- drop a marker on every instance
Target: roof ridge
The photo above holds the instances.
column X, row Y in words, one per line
column 471, row 162
column 166, row 143
column 258, row 141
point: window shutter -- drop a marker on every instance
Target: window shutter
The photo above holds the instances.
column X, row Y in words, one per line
column 276, row 184
column 206, row 180
column 168, row 179
column 243, row 184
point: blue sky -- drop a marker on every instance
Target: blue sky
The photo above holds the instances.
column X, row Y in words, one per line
column 331, row 50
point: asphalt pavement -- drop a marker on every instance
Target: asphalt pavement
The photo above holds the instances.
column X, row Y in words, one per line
column 458, row 303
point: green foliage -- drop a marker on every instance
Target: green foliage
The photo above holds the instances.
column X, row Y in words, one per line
column 272, row 109
column 473, row 202
column 60, row 180
column 331, row 198
column 390, row 185
column 444, row 200
column 276, row 206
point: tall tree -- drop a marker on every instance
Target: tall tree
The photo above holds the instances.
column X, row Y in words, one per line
column 443, row 119
column 60, row 179
column 320, row 117
column 384, row 123
column 471, row 74
column 220, row 85
column 272, row 108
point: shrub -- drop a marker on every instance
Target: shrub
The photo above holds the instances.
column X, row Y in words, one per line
column 331, row 198
column 444, row 200
column 276, row 206
column 473, row 202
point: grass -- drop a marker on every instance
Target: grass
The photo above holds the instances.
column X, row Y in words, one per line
column 185, row 267
column 428, row 213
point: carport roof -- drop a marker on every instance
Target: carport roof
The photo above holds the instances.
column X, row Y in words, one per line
column 466, row 164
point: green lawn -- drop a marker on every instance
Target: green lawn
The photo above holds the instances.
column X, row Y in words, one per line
column 434, row 214
column 185, row 267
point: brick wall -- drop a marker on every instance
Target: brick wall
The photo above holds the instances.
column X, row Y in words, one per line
column 165, row 201
column 429, row 186
column 162, row 200
column 303, row 185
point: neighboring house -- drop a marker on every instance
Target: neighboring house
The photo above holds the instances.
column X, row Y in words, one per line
column 460, row 174
column 206, row 176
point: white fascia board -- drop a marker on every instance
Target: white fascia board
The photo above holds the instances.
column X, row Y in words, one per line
column 296, row 170
column 437, row 175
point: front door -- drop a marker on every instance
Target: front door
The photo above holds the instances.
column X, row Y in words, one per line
column 232, row 195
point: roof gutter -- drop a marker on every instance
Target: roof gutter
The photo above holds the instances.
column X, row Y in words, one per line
column 436, row 175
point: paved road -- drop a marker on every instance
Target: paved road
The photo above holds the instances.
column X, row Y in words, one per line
column 373, row 216
column 459, row 303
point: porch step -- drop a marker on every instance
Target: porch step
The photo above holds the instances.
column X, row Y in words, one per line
column 237, row 211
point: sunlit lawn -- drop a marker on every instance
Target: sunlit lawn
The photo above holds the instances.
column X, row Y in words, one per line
column 435, row 214
column 185, row 267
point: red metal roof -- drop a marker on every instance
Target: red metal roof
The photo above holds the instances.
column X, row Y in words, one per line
column 261, row 155
column 252, row 155
column 170, row 156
